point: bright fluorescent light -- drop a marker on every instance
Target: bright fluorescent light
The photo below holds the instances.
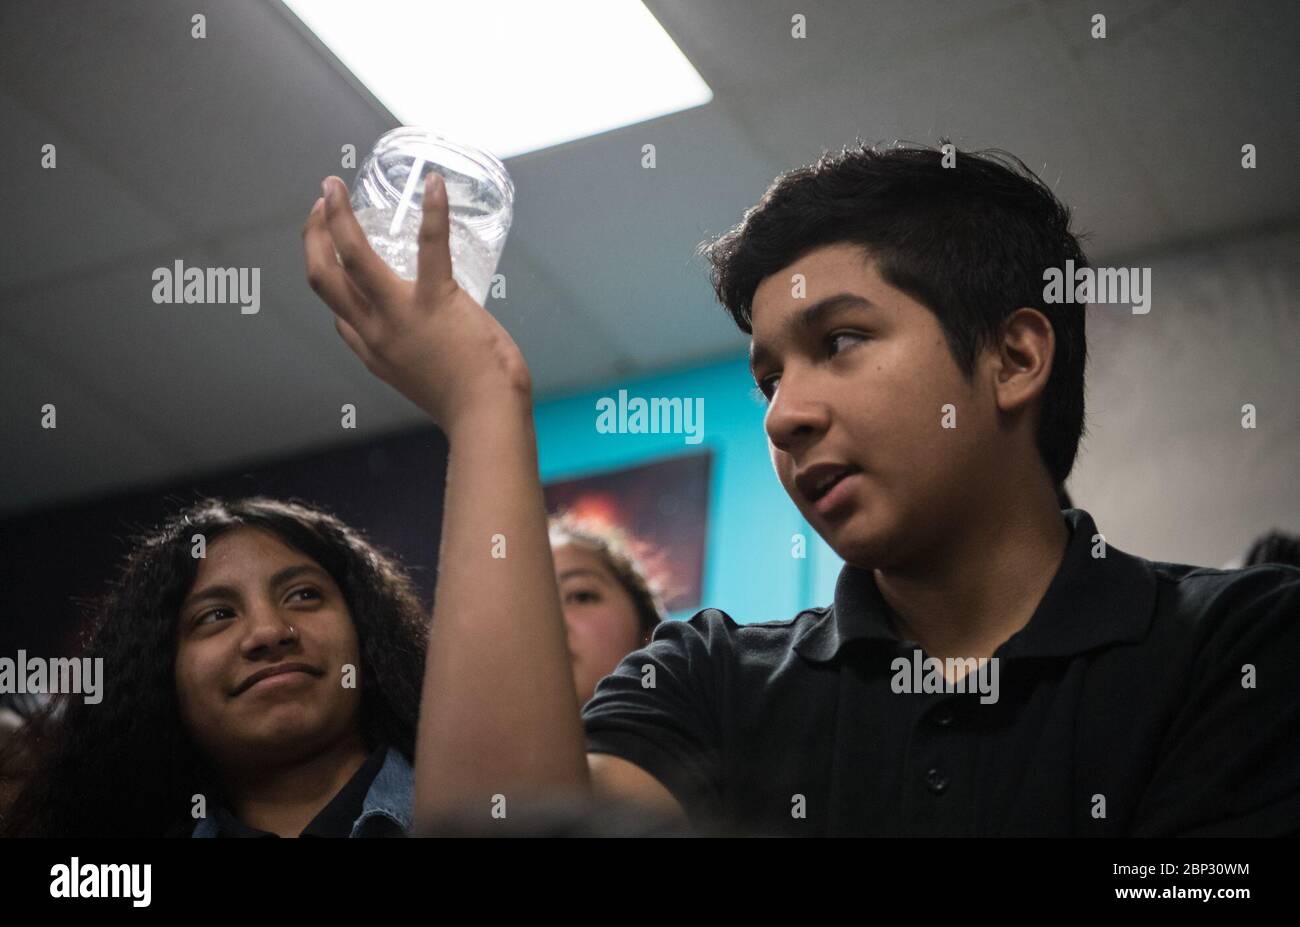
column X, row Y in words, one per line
column 510, row 75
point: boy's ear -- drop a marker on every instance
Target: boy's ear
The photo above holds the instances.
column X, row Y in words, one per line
column 1024, row 359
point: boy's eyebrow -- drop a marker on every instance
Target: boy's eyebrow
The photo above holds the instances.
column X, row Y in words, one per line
column 230, row 592
column 807, row 318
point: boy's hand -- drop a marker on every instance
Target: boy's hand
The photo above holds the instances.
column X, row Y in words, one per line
column 427, row 339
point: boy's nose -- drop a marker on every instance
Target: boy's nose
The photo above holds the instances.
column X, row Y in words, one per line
column 793, row 420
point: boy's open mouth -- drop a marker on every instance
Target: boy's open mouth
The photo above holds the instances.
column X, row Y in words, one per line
column 816, row 481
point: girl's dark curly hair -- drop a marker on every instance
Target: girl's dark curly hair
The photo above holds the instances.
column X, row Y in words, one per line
column 127, row 766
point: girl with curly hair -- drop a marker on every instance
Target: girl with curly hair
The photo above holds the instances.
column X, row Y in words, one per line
column 267, row 685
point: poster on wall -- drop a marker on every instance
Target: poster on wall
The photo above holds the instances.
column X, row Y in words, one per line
column 662, row 507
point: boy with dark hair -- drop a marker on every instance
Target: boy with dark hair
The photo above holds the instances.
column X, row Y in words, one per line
column 989, row 665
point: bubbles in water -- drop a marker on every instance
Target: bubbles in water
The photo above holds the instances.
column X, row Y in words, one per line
column 398, row 250
column 472, row 262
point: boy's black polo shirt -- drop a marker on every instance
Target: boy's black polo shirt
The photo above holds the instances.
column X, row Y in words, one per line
column 1141, row 699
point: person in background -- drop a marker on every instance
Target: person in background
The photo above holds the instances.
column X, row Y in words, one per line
column 266, row 684
column 610, row 607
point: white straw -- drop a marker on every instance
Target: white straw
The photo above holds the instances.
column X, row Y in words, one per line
column 411, row 180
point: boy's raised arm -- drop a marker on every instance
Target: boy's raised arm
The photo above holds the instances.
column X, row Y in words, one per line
column 499, row 713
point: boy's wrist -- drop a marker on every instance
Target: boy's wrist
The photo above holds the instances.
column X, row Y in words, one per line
column 511, row 403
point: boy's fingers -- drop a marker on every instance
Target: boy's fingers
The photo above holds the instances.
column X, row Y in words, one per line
column 369, row 273
column 325, row 275
column 434, row 261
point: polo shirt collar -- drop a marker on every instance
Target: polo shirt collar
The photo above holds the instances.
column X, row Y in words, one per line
column 1092, row 602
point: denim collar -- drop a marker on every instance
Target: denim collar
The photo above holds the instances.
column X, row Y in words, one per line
column 391, row 795
column 1092, row 601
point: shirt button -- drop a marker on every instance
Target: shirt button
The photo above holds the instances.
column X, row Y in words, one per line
column 944, row 716
column 936, row 781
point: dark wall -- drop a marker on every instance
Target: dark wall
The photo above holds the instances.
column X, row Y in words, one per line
column 52, row 560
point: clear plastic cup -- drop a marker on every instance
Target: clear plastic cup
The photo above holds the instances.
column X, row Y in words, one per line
column 389, row 189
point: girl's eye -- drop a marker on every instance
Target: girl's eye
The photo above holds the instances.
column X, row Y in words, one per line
column 217, row 614
column 213, row 615
column 582, row 596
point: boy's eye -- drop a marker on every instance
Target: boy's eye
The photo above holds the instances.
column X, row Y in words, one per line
column 763, row 391
column 767, row 386
column 838, row 335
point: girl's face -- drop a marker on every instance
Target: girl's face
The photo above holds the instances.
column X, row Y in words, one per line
column 599, row 616
column 264, row 643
